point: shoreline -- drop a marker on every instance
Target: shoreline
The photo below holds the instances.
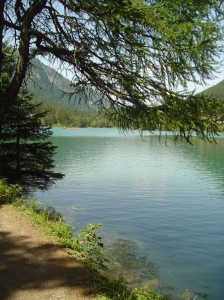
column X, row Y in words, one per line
column 40, row 258
column 33, row 266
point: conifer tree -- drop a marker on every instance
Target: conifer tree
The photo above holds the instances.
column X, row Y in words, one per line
column 25, row 155
column 139, row 55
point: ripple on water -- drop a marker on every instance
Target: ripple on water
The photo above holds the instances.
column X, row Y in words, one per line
column 169, row 200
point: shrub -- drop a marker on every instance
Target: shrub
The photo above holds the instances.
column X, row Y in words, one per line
column 9, row 193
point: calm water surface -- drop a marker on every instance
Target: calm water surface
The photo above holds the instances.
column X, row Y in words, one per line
column 160, row 206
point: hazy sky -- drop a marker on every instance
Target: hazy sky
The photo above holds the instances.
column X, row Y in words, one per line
column 219, row 77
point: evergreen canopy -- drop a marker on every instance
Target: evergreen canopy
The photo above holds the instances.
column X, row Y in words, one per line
column 140, row 54
column 25, row 155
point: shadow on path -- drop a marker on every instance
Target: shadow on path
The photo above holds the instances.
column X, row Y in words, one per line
column 31, row 268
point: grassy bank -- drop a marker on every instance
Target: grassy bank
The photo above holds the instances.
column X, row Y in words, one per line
column 86, row 247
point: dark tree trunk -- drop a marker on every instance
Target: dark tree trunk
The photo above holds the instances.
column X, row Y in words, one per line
column 9, row 98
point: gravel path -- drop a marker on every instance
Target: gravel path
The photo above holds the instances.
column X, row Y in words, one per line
column 33, row 267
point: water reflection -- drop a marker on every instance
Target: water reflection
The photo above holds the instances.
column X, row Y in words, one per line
column 126, row 263
column 138, row 271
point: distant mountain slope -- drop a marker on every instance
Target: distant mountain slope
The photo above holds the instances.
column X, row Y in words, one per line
column 216, row 90
column 47, row 84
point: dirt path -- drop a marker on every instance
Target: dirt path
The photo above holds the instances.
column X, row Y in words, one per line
column 32, row 267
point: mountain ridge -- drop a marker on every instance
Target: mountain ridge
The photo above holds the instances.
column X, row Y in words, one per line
column 47, row 84
column 216, row 91
column 50, row 86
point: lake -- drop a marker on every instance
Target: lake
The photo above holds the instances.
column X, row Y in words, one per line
column 161, row 206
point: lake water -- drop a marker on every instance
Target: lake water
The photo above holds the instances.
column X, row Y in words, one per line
column 162, row 207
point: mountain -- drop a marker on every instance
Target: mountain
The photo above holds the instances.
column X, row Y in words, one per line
column 48, row 85
column 216, row 90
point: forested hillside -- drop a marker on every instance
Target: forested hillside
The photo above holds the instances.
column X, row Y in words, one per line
column 216, row 91
column 62, row 116
column 47, row 86
column 45, row 82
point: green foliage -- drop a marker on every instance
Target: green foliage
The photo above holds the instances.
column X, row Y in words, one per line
column 119, row 291
column 25, row 157
column 86, row 245
column 216, row 91
column 9, row 193
column 140, row 56
column 201, row 114
column 49, row 220
column 91, row 246
column 71, row 117
column 148, row 294
column 8, row 67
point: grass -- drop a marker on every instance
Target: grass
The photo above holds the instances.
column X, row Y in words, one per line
column 86, row 247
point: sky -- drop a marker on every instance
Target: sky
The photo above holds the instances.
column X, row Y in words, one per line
column 219, row 76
